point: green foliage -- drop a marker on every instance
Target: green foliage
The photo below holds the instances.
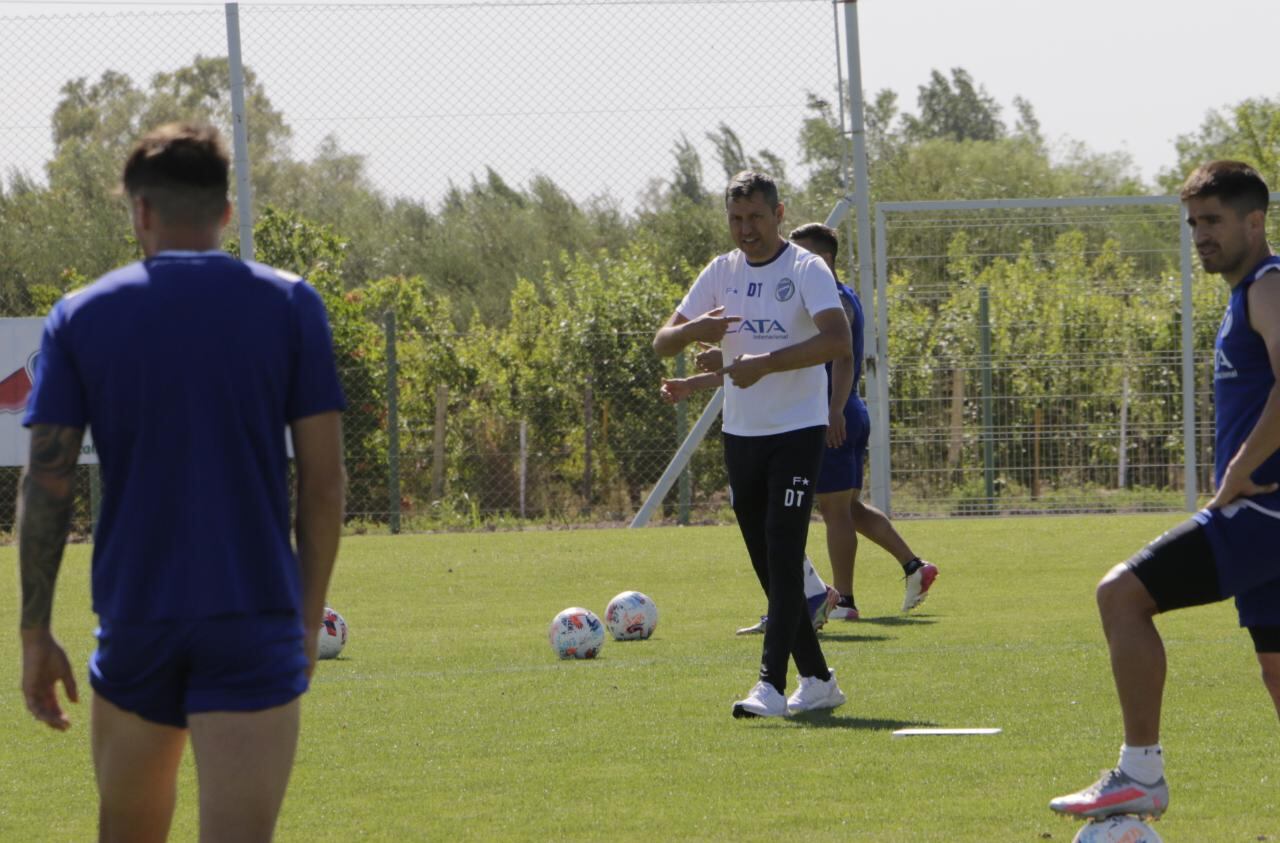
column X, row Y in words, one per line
column 957, row 110
column 287, row 241
column 1248, row 131
column 1070, row 323
column 517, row 302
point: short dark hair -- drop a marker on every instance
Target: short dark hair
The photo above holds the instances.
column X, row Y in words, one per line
column 1234, row 182
column 181, row 169
column 823, row 235
column 748, row 183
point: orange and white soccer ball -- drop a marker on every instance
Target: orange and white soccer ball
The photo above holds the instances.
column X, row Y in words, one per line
column 1121, row 828
column 333, row 635
column 576, row 633
column 631, row 616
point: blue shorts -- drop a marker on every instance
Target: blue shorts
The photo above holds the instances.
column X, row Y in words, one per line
column 842, row 466
column 166, row 670
column 1245, row 537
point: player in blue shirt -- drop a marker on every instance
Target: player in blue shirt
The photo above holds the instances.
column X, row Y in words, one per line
column 1227, row 549
column 840, row 480
column 188, row 366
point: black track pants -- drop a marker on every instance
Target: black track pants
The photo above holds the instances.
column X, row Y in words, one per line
column 771, row 480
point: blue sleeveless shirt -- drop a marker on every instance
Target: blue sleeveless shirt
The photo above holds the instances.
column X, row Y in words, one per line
column 1242, row 379
column 853, row 310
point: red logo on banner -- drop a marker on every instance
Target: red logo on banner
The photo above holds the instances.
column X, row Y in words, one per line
column 15, row 388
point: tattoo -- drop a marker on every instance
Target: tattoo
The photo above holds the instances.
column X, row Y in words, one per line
column 44, row 516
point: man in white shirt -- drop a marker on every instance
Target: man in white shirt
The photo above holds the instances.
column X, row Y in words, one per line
column 775, row 311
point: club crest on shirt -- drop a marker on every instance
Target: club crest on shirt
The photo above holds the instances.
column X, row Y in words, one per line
column 785, row 290
column 1222, row 368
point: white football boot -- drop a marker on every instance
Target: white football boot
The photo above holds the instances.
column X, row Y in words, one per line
column 1115, row 793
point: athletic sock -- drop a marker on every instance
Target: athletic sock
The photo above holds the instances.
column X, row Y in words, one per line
column 846, row 600
column 912, row 565
column 1143, row 763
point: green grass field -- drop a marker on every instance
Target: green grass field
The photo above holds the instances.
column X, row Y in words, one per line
column 449, row 717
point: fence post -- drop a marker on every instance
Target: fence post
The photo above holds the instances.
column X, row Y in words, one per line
column 876, row 360
column 1188, row 372
column 524, row 463
column 393, row 424
column 988, row 446
column 682, row 430
column 588, row 412
column 437, row 443
column 239, row 132
column 1122, row 457
column 1035, row 464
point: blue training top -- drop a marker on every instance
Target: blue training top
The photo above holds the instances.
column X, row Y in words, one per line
column 1242, row 379
column 853, row 310
column 187, row 367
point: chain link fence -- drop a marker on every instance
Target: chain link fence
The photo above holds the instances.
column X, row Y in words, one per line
column 579, row 451
column 1036, row 357
column 461, row 149
column 528, row 188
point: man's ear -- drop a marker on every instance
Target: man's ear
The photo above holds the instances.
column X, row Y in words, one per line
column 1258, row 222
column 140, row 210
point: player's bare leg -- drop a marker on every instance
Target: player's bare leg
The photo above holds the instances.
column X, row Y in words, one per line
column 1137, row 653
column 842, row 540
column 876, row 526
column 1270, row 663
column 1138, row 665
column 136, row 764
column 243, row 760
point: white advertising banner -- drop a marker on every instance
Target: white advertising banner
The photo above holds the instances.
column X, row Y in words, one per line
column 19, row 347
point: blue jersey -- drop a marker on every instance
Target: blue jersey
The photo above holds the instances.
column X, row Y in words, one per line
column 187, row 367
column 853, row 310
column 1242, row 379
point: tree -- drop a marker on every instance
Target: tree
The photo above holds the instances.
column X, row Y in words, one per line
column 733, row 159
column 288, row 241
column 108, row 115
column 686, row 179
column 1248, row 131
column 956, row 110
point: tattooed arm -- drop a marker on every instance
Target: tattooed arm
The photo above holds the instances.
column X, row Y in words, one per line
column 44, row 517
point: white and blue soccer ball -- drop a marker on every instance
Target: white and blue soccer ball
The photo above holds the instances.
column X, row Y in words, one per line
column 631, row 616
column 576, row 633
column 332, row 633
column 1121, row 828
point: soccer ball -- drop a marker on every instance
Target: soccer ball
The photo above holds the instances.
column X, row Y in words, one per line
column 576, row 633
column 1121, row 828
column 333, row 635
column 631, row 615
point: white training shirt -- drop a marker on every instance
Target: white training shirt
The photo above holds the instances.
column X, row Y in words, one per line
column 777, row 302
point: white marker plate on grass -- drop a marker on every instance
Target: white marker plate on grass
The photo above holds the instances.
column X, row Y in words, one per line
column 911, row 733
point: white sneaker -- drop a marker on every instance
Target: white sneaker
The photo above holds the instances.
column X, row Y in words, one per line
column 919, row 581
column 813, row 694
column 764, row 700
